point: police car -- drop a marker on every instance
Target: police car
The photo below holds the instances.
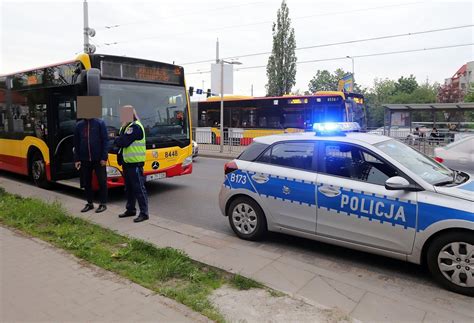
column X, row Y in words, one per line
column 363, row 191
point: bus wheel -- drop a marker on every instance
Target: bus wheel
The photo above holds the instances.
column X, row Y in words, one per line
column 38, row 170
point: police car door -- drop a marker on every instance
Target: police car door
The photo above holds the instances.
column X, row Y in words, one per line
column 353, row 204
column 285, row 179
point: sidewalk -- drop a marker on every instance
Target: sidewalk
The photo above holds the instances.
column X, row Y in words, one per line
column 41, row 283
column 362, row 294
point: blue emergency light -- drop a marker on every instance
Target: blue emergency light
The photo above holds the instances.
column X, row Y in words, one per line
column 335, row 128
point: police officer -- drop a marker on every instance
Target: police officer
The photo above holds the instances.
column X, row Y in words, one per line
column 131, row 157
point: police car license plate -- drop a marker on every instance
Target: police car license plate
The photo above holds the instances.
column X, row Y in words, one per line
column 153, row 177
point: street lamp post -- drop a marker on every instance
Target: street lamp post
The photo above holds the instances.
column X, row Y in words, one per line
column 222, row 62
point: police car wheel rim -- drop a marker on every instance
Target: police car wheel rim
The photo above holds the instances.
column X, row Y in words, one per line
column 244, row 218
column 456, row 263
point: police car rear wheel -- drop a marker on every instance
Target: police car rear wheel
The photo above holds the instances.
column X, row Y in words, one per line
column 246, row 219
column 451, row 261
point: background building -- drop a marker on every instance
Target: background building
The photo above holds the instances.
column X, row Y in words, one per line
column 456, row 87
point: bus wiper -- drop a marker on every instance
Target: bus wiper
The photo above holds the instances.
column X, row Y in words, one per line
column 170, row 138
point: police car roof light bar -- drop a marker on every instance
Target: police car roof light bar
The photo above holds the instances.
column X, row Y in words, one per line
column 335, row 128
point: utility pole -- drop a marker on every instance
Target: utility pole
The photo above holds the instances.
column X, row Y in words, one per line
column 217, row 51
column 251, row 90
column 222, row 106
column 88, row 32
column 222, row 62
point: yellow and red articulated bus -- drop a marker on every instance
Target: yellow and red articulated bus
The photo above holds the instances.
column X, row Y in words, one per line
column 38, row 116
column 248, row 117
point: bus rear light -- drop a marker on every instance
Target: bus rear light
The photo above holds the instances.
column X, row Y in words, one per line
column 230, row 167
column 439, row 159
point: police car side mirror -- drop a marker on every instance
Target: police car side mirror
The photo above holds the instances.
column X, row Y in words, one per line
column 398, row 183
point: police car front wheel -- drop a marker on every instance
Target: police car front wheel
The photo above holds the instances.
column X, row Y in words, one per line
column 246, row 219
column 451, row 261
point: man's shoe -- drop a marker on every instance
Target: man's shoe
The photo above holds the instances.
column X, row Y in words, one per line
column 87, row 208
column 101, row 208
column 127, row 214
column 140, row 218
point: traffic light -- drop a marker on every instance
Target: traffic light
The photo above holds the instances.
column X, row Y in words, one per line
column 191, row 90
column 208, row 93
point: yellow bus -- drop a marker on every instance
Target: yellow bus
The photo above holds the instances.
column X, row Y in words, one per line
column 248, row 117
column 38, row 116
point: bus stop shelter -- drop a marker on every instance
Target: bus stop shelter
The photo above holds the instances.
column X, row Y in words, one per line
column 401, row 115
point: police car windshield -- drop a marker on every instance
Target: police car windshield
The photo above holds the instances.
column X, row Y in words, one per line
column 431, row 171
column 162, row 109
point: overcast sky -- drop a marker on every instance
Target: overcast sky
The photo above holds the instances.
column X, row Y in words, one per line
column 36, row 33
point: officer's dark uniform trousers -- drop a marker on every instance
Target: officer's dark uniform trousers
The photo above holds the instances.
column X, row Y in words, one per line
column 135, row 188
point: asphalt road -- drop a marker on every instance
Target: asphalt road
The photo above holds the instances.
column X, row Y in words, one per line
column 193, row 199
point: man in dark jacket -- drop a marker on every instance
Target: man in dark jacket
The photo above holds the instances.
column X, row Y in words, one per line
column 131, row 157
column 90, row 154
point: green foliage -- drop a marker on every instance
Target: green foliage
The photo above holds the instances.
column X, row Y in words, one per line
column 425, row 93
column 406, row 84
column 323, row 81
column 405, row 90
column 470, row 95
column 164, row 270
column 281, row 67
column 327, row 81
column 243, row 283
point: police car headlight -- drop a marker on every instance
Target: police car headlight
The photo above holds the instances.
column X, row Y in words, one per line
column 113, row 172
column 187, row 161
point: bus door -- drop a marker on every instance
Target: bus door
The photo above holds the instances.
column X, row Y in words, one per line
column 64, row 124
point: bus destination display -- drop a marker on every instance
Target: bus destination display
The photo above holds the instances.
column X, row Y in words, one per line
column 162, row 74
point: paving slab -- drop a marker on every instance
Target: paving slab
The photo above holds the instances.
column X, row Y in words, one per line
column 376, row 308
column 323, row 291
column 283, row 277
column 236, row 261
column 71, row 294
column 198, row 251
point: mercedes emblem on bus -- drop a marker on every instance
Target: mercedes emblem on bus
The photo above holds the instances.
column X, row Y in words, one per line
column 155, row 165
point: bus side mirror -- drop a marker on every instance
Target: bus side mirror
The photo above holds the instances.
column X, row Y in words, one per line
column 93, row 82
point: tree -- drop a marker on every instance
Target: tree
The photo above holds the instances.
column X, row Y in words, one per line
column 450, row 93
column 281, row 67
column 406, row 84
column 404, row 90
column 379, row 94
column 470, row 94
column 323, row 81
column 327, row 81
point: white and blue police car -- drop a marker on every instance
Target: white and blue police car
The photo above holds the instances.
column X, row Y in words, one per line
column 362, row 191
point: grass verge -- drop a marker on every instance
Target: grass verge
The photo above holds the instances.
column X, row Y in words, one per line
column 166, row 271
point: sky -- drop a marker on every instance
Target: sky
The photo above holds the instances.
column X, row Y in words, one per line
column 36, row 33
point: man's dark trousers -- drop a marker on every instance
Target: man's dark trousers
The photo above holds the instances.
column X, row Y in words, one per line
column 101, row 174
column 135, row 189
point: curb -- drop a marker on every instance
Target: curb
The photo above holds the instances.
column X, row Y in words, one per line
column 218, row 156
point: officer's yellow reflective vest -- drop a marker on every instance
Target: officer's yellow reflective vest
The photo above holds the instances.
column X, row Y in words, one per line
column 136, row 152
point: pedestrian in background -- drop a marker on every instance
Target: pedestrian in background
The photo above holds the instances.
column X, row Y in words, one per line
column 131, row 156
column 90, row 155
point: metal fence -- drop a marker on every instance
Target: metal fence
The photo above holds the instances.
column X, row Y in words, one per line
column 235, row 142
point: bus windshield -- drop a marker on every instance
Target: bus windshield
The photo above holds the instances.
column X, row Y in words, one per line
column 162, row 110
